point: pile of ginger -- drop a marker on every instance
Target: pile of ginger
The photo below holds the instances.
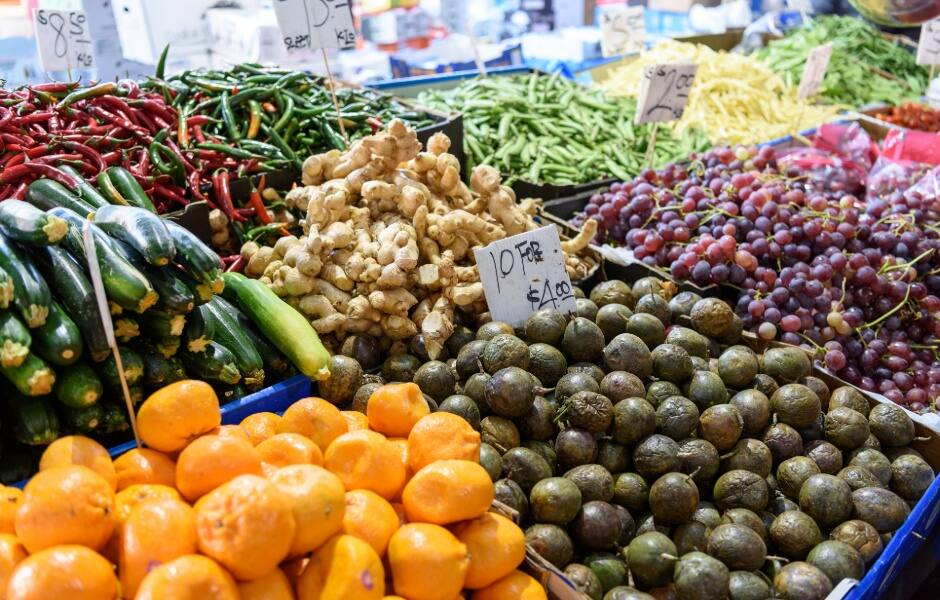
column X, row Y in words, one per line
column 388, row 239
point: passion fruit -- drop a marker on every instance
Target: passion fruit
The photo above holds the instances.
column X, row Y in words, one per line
column 435, row 379
column 673, row 498
column 634, row 419
column 741, row 489
column 613, row 456
column 538, row 424
column 784, row 442
column 631, row 492
column 694, row 342
column 882, row 509
column 612, row 291
column 491, row 460
column 850, row 397
column 361, row 398
column 745, row 585
column 623, row 592
column 793, row 473
column 555, row 500
column 764, row 384
column 671, row 363
column 846, row 428
column 648, row 328
column 469, row 358
column 794, row 533
column 583, row 340
column 629, row 353
column 796, row 405
column 676, row 417
column 572, row 383
column 509, row 392
column 681, row 304
column 618, row 385
column 596, row 526
column 712, row 317
column 754, row 408
column 590, row 369
column 526, row 467
column 691, row 537
column 647, row 563
column 612, row 319
column 504, row 350
column 462, row 406
column 698, row 459
column 475, row 388
column 551, row 542
column 837, row 560
column 819, row 388
column 707, row 389
column 737, row 366
column 654, row 304
column 748, row 518
column 786, row 364
column 575, row 447
column 364, row 349
column 588, row 410
column 737, row 546
column 585, row 309
column 509, row 493
column 827, row 499
column 499, row 432
column 861, row 536
column 546, row 326
column 594, row 481
column 750, row 455
column 910, row 477
column 876, row 463
column 658, row 391
column 489, row 330
column 826, row 456
column 400, row 368
column 699, row 576
column 891, row 425
column 610, row 569
column 858, row 477
column 721, row 425
column 801, row 581
column 656, row 455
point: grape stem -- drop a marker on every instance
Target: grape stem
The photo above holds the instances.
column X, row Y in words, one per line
column 907, row 264
column 900, row 304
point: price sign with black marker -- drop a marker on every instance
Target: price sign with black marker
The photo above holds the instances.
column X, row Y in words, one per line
column 315, row 24
column 817, row 61
column 623, row 30
column 928, row 48
column 63, row 39
column 664, row 92
column 525, row 273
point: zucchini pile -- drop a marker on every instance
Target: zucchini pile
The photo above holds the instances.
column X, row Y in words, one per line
column 162, row 284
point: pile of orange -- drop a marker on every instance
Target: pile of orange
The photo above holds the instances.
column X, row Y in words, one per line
column 317, row 504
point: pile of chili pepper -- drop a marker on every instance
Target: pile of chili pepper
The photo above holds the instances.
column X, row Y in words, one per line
column 45, row 126
column 279, row 114
column 912, row 116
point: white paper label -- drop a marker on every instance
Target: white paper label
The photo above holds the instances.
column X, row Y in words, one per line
column 817, row 61
column 664, row 92
column 928, row 48
column 803, row 6
column 314, row 24
column 525, row 273
column 622, row 31
column 63, row 39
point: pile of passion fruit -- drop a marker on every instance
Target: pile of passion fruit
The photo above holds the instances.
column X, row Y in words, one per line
column 650, row 453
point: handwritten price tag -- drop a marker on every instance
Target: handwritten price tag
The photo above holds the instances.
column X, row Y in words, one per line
column 314, row 24
column 664, row 92
column 817, row 61
column 525, row 273
column 622, row 31
column 63, row 40
column 928, row 48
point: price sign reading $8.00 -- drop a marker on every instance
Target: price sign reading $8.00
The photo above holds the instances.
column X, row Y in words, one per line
column 63, row 40
column 622, row 30
column 664, row 92
column 525, row 273
column 817, row 61
column 315, row 24
column 928, row 48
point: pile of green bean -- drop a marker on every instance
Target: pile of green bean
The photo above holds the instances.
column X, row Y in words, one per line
column 865, row 67
column 545, row 129
column 279, row 114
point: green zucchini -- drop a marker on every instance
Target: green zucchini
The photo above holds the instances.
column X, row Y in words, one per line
column 125, row 329
column 123, row 283
column 85, row 190
column 216, row 363
column 47, row 194
column 31, row 295
column 168, row 346
column 202, row 292
column 156, row 323
column 175, row 295
column 58, row 340
column 74, row 292
column 273, row 359
column 31, row 378
column 115, row 418
column 78, row 386
column 158, row 369
column 15, row 340
column 198, row 259
column 287, row 329
column 142, row 230
column 228, row 333
column 24, row 223
column 133, row 369
column 137, row 394
column 199, row 329
column 123, row 181
column 6, row 289
column 83, row 420
column 35, row 422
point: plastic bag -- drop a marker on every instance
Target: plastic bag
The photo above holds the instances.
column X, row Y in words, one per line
column 889, row 179
column 848, row 140
column 911, row 145
column 825, row 171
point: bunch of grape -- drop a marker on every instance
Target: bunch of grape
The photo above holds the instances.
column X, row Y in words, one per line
column 815, row 264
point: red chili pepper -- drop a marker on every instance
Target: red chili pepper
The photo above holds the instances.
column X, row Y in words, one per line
column 53, row 159
column 20, row 193
column 27, row 168
column 6, row 191
column 194, row 180
column 11, row 160
column 223, row 194
column 197, row 132
column 197, row 120
column 150, row 123
column 236, row 265
column 120, row 121
column 88, row 152
column 162, row 190
column 257, row 202
column 55, row 88
column 112, row 158
column 375, row 123
column 6, row 115
column 36, row 117
column 118, row 106
column 10, row 138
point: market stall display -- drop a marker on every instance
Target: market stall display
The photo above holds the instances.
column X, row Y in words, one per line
column 735, row 99
column 912, row 116
column 542, row 128
column 866, row 66
column 240, row 510
column 809, row 257
column 387, row 252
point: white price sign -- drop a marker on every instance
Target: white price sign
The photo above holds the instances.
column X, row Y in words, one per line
column 63, row 39
column 817, row 61
column 314, row 24
column 622, row 31
column 928, row 48
column 525, row 273
column 803, row 6
column 664, row 92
